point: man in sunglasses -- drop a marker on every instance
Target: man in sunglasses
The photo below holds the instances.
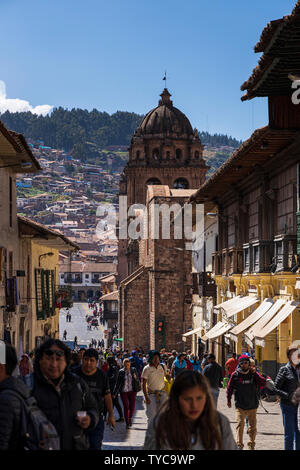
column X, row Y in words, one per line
column 244, row 383
column 64, row 397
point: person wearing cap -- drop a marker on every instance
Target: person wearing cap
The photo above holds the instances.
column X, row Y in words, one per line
column 244, row 383
column 153, row 376
column 286, row 383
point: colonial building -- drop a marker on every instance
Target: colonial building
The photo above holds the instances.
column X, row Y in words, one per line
column 38, row 288
column 83, row 277
column 256, row 193
column 15, row 157
column 165, row 164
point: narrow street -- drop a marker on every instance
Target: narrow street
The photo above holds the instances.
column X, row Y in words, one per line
column 269, row 426
column 78, row 325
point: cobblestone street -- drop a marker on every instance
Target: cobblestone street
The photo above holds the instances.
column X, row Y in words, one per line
column 269, row 425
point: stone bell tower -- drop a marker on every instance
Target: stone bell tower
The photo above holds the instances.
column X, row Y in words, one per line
column 164, row 150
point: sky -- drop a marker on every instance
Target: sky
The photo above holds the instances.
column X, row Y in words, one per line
column 112, row 55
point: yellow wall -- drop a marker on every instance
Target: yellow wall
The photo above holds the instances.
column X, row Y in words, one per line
column 48, row 262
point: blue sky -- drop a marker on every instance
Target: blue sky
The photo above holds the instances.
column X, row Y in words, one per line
column 111, row 55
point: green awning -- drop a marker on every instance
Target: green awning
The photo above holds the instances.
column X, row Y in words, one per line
column 118, row 339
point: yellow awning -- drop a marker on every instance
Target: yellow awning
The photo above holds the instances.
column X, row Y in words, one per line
column 260, row 324
column 279, row 318
column 255, row 316
column 236, row 305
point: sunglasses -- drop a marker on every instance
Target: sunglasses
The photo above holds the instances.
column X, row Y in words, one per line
column 51, row 352
column 245, row 362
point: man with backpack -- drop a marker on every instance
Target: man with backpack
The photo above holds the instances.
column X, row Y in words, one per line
column 244, row 383
column 23, row 426
column 64, row 397
column 12, row 390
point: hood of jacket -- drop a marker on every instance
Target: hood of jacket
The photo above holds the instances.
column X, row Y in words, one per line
column 16, row 384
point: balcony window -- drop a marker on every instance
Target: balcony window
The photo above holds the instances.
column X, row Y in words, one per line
column 247, row 258
column 96, row 278
column 285, row 247
column 45, row 293
column 262, row 255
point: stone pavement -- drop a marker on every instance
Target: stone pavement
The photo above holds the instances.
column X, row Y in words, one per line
column 78, row 325
column 269, row 425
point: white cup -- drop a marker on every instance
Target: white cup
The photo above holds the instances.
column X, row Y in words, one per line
column 81, row 414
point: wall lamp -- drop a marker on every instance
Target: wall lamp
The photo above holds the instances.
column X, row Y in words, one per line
column 44, row 254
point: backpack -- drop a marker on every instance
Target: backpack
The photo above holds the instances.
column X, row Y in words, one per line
column 37, row 432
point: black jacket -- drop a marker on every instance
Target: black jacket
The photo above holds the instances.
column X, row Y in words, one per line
column 213, row 372
column 286, row 383
column 10, row 413
column 112, row 375
column 245, row 388
column 61, row 408
column 121, row 381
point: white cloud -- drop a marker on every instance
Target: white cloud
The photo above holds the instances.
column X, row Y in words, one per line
column 15, row 105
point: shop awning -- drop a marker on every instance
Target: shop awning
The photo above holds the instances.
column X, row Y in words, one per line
column 236, row 305
column 213, row 329
column 279, row 318
column 254, row 317
column 192, row 332
column 260, row 324
column 218, row 330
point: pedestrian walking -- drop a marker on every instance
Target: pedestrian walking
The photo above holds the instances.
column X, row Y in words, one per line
column 75, row 341
column 127, row 385
column 98, row 384
column 61, row 395
column 112, row 374
column 188, row 420
column 171, row 359
column 213, row 372
column 179, row 365
column 285, row 384
column 244, row 383
column 231, row 365
column 25, row 366
column 10, row 404
column 153, row 382
column 65, row 335
column 204, row 360
column 196, row 364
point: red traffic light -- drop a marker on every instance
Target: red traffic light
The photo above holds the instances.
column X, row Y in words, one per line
column 160, row 326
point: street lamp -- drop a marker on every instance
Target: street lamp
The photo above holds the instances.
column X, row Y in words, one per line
column 22, row 165
column 45, row 254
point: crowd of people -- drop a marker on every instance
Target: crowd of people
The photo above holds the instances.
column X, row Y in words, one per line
column 77, row 391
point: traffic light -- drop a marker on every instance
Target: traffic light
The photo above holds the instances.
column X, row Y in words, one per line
column 160, row 326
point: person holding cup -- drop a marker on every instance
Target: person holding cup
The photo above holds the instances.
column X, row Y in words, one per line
column 61, row 395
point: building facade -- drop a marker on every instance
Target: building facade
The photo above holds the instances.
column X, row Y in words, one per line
column 256, row 193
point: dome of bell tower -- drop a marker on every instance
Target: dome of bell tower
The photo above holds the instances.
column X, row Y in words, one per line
column 165, row 119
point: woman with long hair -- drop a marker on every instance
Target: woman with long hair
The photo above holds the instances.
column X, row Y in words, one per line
column 189, row 419
column 127, row 384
